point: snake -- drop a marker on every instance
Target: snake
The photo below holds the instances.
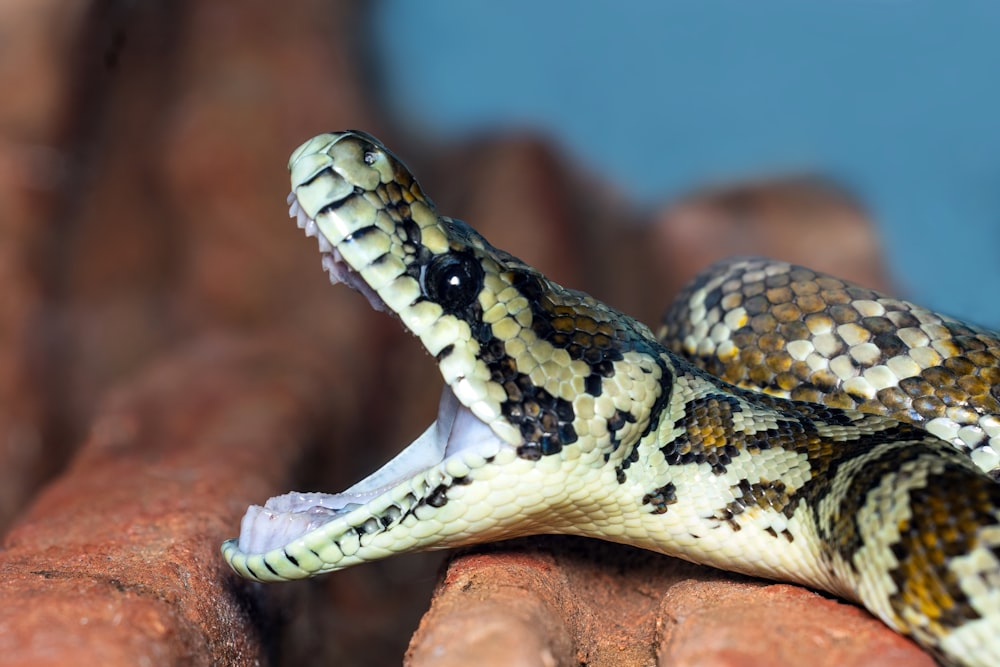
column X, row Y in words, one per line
column 782, row 424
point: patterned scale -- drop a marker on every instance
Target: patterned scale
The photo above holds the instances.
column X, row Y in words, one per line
column 795, row 333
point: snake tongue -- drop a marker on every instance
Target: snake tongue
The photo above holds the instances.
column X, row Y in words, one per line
column 282, row 519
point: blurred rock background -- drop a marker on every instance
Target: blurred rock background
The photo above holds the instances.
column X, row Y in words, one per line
column 170, row 352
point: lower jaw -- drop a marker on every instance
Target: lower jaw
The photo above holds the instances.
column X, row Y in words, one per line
column 444, row 455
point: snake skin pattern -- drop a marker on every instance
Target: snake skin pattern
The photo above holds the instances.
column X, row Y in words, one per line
column 795, row 333
column 562, row 415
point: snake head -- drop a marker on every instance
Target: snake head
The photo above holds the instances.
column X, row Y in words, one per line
column 536, row 377
column 380, row 234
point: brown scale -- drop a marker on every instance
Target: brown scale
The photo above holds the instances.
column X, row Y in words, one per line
column 587, row 329
column 844, row 536
column 964, row 387
column 564, row 319
column 661, row 498
column 948, row 516
column 709, row 433
column 764, row 494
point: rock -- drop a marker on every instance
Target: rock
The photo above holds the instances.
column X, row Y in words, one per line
column 35, row 124
column 117, row 561
column 561, row 600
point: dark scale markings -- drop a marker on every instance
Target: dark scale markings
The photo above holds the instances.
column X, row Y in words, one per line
column 658, row 408
column 709, row 435
column 661, row 498
column 545, row 421
column 844, row 534
column 409, row 233
column 438, row 497
column 797, row 431
column 764, row 494
column 799, row 301
column 333, row 206
column 713, row 298
column 359, row 234
column 611, row 352
column 617, row 423
column 556, row 319
column 939, row 530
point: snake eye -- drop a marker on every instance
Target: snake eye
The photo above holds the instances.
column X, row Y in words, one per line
column 452, row 281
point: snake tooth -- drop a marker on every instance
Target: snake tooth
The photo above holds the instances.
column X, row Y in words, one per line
column 783, row 423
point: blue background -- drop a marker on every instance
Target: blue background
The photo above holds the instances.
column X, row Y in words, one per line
column 900, row 101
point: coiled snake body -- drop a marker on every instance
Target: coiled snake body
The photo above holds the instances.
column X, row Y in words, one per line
column 563, row 415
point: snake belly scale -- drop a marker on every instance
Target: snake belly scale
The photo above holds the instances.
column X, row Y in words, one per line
column 560, row 414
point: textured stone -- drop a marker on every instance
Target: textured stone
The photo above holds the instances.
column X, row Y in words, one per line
column 563, row 600
column 35, row 120
column 465, row 627
column 707, row 621
column 117, row 562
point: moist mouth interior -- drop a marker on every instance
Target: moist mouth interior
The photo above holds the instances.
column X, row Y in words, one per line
column 282, row 519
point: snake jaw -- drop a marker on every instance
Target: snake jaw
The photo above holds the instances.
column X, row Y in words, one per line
column 348, row 200
column 464, row 300
column 443, row 452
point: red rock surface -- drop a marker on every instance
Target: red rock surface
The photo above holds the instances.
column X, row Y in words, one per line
column 117, row 563
column 35, row 120
column 561, row 601
column 170, row 352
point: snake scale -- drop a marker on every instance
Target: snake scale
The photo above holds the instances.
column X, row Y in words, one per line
column 560, row 414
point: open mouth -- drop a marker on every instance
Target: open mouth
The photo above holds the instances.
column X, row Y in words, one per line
column 456, row 443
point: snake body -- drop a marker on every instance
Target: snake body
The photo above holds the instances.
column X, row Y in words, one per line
column 563, row 415
column 795, row 333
